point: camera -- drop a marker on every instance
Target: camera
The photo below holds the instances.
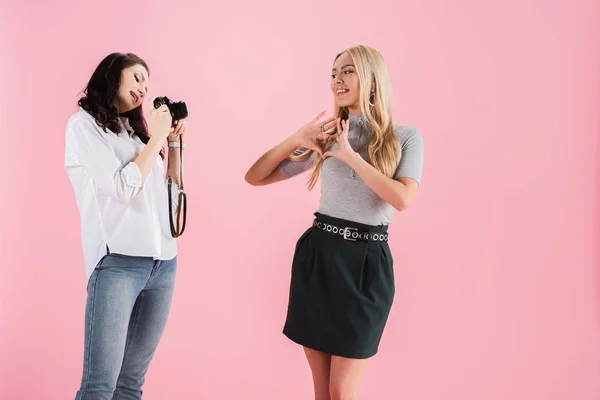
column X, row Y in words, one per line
column 177, row 109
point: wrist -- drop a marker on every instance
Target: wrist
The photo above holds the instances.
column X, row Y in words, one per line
column 354, row 159
column 293, row 141
column 175, row 145
column 157, row 140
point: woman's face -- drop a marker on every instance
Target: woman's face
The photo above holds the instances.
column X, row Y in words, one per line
column 132, row 89
column 345, row 85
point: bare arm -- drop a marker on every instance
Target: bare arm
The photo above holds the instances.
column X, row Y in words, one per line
column 159, row 123
column 174, row 161
column 264, row 171
column 399, row 193
column 147, row 157
column 177, row 135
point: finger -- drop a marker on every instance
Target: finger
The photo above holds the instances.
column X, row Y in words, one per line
column 345, row 127
column 182, row 128
column 178, row 126
column 318, row 117
column 326, row 122
column 329, row 124
column 161, row 109
column 326, row 137
column 339, row 126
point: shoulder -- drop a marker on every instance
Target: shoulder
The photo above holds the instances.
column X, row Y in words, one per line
column 408, row 135
column 81, row 120
column 82, row 127
column 80, row 116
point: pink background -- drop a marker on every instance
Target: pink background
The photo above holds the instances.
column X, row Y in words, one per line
column 497, row 262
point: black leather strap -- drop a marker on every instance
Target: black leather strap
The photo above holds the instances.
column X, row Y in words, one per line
column 178, row 226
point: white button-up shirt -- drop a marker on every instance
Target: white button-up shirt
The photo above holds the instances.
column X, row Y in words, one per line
column 117, row 210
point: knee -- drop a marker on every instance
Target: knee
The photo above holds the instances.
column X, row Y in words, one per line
column 340, row 391
column 130, row 386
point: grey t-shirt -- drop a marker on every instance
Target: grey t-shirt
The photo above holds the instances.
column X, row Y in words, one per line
column 343, row 193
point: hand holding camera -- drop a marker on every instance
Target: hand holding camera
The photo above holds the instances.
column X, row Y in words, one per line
column 165, row 111
column 165, row 115
column 159, row 121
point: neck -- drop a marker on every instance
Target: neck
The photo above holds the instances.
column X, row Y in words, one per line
column 355, row 110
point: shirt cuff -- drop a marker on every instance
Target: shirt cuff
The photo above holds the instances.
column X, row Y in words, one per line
column 132, row 175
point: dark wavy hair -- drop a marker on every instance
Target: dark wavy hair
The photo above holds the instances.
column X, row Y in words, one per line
column 101, row 90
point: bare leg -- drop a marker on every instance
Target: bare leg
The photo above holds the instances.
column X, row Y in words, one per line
column 319, row 365
column 345, row 377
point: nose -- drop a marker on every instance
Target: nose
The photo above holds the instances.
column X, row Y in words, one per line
column 142, row 92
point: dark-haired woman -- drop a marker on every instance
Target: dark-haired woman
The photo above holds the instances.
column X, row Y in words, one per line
column 113, row 158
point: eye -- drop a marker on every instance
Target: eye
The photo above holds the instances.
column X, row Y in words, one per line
column 332, row 76
column 348, row 71
column 136, row 78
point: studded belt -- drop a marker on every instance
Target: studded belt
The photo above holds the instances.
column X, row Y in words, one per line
column 351, row 233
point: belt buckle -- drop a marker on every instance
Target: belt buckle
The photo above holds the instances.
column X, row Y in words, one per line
column 347, row 232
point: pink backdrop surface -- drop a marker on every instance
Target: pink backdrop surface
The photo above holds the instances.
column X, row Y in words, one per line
column 496, row 263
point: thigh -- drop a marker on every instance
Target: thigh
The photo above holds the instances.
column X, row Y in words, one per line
column 345, row 378
column 148, row 320
column 112, row 292
column 320, row 364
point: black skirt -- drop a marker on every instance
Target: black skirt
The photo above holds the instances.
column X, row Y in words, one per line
column 341, row 291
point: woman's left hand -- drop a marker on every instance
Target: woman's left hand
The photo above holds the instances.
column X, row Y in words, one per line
column 177, row 130
column 345, row 151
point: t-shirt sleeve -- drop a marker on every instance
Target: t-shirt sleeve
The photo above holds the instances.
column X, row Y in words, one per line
column 411, row 163
column 290, row 168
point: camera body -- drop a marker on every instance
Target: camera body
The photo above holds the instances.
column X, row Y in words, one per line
column 177, row 109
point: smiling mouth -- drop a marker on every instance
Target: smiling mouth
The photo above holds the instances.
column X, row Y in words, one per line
column 341, row 91
column 135, row 98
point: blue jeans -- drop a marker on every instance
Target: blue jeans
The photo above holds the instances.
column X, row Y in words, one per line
column 127, row 307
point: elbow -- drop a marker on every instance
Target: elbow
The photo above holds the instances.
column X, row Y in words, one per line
column 124, row 198
column 402, row 207
column 401, row 204
column 125, row 193
column 249, row 180
column 127, row 183
column 252, row 181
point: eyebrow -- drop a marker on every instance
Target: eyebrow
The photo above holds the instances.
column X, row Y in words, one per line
column 347, row 65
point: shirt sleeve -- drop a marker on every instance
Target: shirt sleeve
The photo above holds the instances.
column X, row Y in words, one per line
column 290, row 168
column 411, row 163
column 94, row 153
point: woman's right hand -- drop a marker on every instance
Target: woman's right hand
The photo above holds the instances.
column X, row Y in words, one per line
column 159, row 120
column 308, row 136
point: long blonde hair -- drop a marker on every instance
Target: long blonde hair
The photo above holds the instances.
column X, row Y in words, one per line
column 375, row 88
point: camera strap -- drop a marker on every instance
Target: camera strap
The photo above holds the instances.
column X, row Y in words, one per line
column 178, row 226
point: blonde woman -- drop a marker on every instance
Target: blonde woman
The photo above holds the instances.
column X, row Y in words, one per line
column 342, row 281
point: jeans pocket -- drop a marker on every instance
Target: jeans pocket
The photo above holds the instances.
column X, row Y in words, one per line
column 112, row 260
